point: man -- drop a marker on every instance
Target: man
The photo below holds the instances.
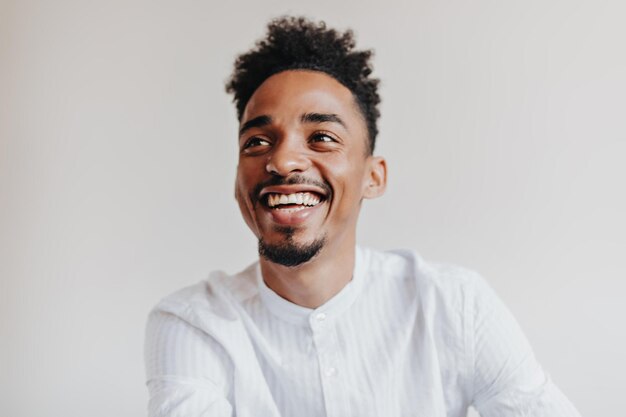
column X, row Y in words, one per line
column 319, row 326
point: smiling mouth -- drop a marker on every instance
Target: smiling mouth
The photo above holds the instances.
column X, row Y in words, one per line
column 291, row 202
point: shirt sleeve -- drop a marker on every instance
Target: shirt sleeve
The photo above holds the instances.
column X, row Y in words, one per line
column 508, row 381
column 187, row 371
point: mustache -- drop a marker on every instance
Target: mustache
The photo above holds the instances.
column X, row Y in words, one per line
column 296, row 179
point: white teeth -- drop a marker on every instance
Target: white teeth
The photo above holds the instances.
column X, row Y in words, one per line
column 307, row 199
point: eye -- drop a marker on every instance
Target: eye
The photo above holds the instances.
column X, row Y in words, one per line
column 255, row 142
column 322, row 137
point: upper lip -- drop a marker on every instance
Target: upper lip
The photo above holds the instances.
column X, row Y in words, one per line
column 292, row 189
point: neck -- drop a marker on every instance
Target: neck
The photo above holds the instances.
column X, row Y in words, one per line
column 314, row 282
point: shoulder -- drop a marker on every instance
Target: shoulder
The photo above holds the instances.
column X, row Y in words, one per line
column 214, row 298
column 445, row 282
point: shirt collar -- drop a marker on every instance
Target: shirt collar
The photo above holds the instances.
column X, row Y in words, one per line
column 293, row 313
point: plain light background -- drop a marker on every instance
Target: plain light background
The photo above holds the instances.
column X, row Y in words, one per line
column 502, row 122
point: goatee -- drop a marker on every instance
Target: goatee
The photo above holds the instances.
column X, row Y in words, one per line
column 289, row 253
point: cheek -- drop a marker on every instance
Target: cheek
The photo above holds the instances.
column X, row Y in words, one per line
column 242, row 190
column 245, row 181
column 245, row 206
column 352, row 187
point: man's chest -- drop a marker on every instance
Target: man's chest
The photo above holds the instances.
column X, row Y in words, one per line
column 355, row 368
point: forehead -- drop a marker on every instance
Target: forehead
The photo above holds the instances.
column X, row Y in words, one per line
column 291, row 93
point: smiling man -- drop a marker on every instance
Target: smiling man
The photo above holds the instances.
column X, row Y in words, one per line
column 305, row 165
column 319, row 326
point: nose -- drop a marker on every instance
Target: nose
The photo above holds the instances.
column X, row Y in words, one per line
column 286, row 158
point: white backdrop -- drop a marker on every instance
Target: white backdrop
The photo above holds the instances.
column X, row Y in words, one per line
column 503, row 125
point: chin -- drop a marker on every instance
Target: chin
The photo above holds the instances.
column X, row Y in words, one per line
column 289, row 252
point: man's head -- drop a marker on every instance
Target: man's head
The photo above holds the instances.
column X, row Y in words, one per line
column 296, row 43
column 307, row 113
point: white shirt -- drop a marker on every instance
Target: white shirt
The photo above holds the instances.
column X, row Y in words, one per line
column 403, row 338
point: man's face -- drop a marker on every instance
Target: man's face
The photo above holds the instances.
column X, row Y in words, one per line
column 303, row 165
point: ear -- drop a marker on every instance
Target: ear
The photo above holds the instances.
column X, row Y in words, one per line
column 376, row 177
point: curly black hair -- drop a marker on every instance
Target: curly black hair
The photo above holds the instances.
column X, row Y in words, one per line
column 296, row 43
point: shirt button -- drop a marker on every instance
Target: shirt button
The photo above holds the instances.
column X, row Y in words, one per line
column 331, row 372
column 320, row 317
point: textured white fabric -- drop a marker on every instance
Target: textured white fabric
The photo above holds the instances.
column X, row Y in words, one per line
column 403, row 338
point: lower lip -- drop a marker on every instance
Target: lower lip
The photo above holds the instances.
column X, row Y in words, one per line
column 288, row 217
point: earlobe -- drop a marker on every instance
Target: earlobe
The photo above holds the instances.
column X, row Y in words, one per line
column 376, row 181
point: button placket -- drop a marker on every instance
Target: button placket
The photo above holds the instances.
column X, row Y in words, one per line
column 320, row 328
column 326, row 343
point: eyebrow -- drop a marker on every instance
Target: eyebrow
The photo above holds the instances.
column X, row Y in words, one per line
column 259, row 121
column 265, row 120
column 322, row 118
